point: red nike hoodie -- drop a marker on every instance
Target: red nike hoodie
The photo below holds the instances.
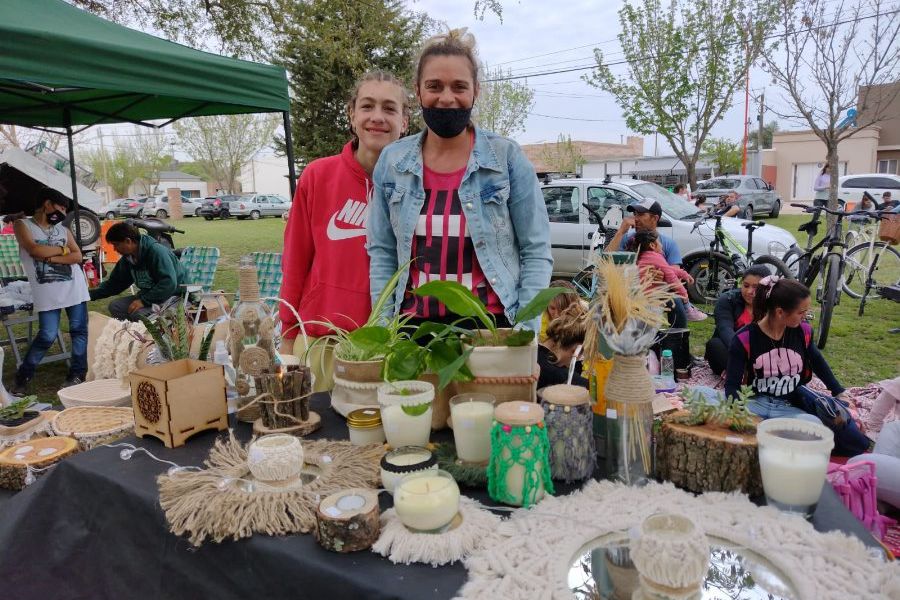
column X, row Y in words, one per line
column 325, row 265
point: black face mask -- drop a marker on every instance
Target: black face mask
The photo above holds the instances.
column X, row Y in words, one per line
column 55, row 217
column 447, row 122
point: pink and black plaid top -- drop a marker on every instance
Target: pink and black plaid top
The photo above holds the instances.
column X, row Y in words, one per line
column 443, row 249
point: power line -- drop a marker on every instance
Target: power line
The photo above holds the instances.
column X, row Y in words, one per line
column 647, row 58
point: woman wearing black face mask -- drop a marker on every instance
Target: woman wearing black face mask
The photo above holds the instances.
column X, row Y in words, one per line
column 52, row 261
column 461, row 202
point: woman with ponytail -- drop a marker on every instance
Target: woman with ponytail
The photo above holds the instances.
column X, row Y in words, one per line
column 776, row 356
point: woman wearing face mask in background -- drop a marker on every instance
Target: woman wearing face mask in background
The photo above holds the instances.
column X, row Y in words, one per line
column 463, row 203
column 325, row 265
column 52, row 262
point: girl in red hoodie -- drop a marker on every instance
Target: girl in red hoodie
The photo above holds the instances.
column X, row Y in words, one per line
column 325, row 265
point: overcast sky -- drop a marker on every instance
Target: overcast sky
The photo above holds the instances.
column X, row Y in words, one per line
column 569, row 29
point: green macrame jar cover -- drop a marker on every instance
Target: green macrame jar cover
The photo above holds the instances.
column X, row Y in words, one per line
column 533, row 449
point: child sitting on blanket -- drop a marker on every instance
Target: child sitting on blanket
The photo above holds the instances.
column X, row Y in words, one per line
column 653, row 263
column 886, row 403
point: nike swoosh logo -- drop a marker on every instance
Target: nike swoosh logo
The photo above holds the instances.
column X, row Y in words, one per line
column 336, row 233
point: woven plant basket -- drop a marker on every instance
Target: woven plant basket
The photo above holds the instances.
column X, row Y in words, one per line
column 100, row 392
column 94, row 426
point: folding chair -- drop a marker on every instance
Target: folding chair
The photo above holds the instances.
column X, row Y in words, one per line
column 11, row 269
column 200, row 262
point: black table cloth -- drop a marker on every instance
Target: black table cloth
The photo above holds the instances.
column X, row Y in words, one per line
column 92, row 528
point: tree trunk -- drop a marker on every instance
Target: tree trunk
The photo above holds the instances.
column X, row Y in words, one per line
column 344, row 526
column 707, row 458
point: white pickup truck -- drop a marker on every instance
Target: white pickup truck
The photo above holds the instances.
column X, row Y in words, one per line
column 23, row 174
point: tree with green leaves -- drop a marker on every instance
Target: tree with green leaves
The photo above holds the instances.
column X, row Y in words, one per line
column 563, row 156
column 503, row 104
column 684, row 62
column 725, row 154
column 830, row 60
column 329, row 44
column 116, row 167
column 222, row 144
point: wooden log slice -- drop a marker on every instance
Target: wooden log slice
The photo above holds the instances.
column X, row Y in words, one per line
column 37, row 454
column 348, row 520
column 707, row 458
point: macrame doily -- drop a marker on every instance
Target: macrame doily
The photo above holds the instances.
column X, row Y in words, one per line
column 529, row 555
column 402, row 546
column 199, row 505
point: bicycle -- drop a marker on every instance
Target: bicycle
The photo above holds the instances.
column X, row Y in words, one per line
column 866, row 260
column 717, row 271
column 826, row 257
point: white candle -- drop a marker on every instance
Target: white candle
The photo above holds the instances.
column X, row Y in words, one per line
column 402, row 429
column 426, row 501
column 793, row 460
column 472, row 422
column 390, row 479
column 792, row 478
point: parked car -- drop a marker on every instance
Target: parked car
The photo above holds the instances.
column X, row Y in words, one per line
column 114, row 208
column 753, row 193
column 572, row 227
column 254, row 206
column 158, row 207
column 214, row 207
column 851, row 187
column 134, row 208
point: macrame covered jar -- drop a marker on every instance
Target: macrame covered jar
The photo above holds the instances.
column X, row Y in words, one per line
column 569, row 421
column 251, row 332
column 519, row 468
column 629, row 416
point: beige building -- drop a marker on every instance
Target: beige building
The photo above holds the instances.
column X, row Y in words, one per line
column 799, row 156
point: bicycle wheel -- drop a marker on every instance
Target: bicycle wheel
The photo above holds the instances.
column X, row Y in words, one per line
column 775, row 265
column 795, row 262
column 585, row 283
column 885, row 272
column 830, row 295
column 713, row 275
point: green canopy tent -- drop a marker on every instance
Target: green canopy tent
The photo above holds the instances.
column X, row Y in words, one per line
column 66, row 68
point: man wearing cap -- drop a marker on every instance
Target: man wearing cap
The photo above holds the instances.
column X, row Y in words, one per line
column 646, row 217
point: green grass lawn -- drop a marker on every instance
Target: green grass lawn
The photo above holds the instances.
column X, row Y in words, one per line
column 860, row 349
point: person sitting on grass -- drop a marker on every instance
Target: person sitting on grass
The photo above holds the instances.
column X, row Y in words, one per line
column 557, row 305
column 776, row 356
column 151, row 267
column 654, row 267
column 565, row 335
column 734, row 309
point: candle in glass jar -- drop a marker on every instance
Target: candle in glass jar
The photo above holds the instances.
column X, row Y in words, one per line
column 397, row 464
column 793, row 460
column 427, row 501
column 473, row 415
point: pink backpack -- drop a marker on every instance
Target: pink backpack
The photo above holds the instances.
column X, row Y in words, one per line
column 855, row 483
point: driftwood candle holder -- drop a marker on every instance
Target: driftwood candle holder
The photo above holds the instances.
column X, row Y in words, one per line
column 284, row 402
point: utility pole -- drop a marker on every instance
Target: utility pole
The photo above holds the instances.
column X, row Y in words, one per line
column 762, row 116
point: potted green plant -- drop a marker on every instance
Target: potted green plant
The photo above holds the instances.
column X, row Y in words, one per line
column 17, row 413
column 493, row 351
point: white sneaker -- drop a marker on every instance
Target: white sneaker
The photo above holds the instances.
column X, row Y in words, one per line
column 695, row 314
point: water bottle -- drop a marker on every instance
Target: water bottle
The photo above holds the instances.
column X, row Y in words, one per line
column 221, row 357
column 667, row 365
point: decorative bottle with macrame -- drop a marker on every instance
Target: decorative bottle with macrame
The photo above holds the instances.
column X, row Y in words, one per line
column 251, row 333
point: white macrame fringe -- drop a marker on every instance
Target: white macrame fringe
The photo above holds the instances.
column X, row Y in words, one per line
column 402, row 546
column 528, row 556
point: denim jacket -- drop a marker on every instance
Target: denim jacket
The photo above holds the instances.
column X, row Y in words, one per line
column 504, row 209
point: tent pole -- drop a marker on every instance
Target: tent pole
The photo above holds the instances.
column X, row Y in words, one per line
column 67, row 115
column 289, row 150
